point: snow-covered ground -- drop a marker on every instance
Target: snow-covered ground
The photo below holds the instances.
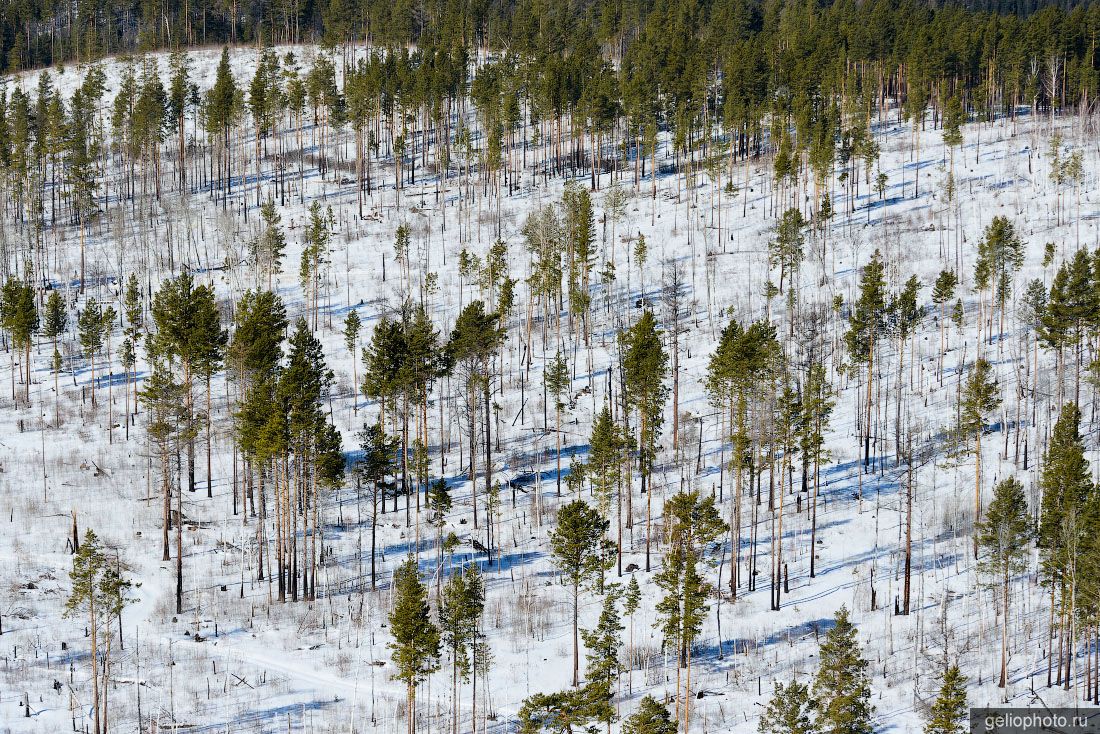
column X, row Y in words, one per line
column 235, row 661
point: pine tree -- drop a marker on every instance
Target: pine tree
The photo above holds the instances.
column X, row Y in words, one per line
column 980, row 397
column 97, row 589
column 254, row 356
column 641, row 254
column 842, row 687
column 632, row 599
column 475, row 339
column 580, row 234
column 1000, row 256
column 268, row 246
column 817, row 407
column 1072, row 310
column 221, row 107
column 415, row 646
column 461, row 605
column 352, row 325
column 645, row 367
column 57, row 320
column 949, row 710
column 1004, row 535
column 739, row 374
column 556, row 383
column 188, row 329
column 439, row 501
column 376, row 462
column 786, row 250
column 1067, row 484
column 943, row 290
column 560, row 712
column 582, row 554
column 953, row 118
column 652, row 717
column 607, row 450
column 90, row 328
column 692, row 524
column 789, row 711
column 19, row 317
column 180, row 96
column 602, row 667
column 906, row 315
column 315, row 256
column 867, row 323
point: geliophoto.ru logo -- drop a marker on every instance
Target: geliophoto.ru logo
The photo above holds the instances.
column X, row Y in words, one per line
column 1035, row 720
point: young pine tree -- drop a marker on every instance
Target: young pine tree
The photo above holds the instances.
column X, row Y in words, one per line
column 943, row 290
column 602, row 667
column 98, row 591
column 948, row 715
column 415, row 646
column 57, row 320
column 842, row 687
column 652, row 717
column 789, row 711
column 90, row 327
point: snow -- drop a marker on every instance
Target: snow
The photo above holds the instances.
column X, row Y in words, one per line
column 323, row 666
